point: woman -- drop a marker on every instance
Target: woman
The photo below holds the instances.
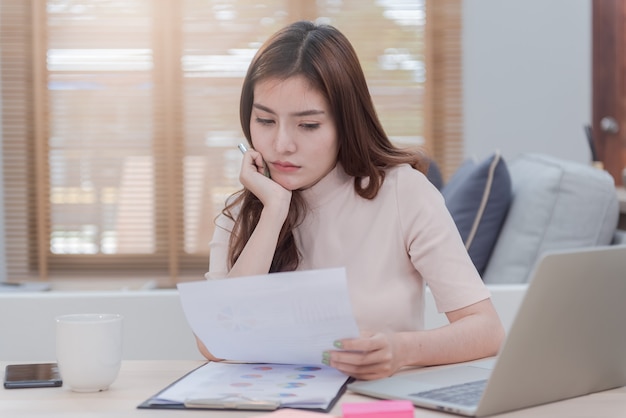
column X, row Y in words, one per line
column 340, row 194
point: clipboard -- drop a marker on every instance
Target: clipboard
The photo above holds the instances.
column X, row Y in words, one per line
column 296, row 387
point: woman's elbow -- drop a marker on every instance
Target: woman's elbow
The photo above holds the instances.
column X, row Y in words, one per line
column 496, row 335
column 205, row 352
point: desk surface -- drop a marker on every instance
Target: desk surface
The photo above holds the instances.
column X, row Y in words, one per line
column 138, row 380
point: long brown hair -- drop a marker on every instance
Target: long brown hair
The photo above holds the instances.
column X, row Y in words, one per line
column 325, row 57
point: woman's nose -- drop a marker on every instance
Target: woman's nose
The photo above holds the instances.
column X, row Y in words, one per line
column 284, row 141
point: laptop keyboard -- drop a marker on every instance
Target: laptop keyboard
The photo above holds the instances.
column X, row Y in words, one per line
column 467, row 394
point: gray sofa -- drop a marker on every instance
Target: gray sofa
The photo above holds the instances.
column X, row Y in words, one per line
column 511, row 212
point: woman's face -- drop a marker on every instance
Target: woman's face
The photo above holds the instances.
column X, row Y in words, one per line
column 293, row 129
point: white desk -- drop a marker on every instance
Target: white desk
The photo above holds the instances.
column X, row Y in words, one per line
column 138, row 380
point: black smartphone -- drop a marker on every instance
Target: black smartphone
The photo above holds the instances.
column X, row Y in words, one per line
column 37, row 375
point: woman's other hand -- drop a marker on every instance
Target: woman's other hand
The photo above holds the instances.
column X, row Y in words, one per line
column 372, row 356
column 474, row 332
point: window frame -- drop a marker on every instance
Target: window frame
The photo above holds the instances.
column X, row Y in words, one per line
column 442, row 134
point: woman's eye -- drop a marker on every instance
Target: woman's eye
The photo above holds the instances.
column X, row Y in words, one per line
column 264, row 121
column 310, row 126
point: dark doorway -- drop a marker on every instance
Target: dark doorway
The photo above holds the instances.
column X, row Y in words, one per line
column 609, row 84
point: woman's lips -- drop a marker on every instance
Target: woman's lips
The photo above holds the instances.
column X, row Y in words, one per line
column 285, row 167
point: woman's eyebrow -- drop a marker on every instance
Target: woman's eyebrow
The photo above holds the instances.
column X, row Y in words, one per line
column 263, row 108
column 310, row 112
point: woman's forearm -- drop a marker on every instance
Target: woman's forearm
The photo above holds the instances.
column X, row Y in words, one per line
column 474, row 332
column 256, row 257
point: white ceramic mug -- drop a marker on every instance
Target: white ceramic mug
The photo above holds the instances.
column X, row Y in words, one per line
column 89, row 350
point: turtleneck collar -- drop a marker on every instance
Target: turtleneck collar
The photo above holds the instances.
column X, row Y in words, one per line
column 322, row 191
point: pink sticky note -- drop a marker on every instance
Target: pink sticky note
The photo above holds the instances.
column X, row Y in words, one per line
column 378, row 409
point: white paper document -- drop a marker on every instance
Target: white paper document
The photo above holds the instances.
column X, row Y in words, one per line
column 289, row 318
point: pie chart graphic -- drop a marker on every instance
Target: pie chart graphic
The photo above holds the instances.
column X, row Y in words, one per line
column 236, row 319
column 292, row 385
column 300, row 376
column 308, row 368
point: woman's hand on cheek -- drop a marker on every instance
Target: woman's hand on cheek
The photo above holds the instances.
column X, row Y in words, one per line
column 372, row 356
column 252, row 177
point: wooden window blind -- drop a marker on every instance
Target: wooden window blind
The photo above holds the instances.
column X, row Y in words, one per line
column 120, row 121
column 443, row 111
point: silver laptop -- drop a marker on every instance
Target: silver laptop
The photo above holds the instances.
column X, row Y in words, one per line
column 568, row 339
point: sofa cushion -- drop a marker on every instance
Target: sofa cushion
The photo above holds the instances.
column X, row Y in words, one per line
column 434, row 174
column 478, row 197
column 556, row 205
